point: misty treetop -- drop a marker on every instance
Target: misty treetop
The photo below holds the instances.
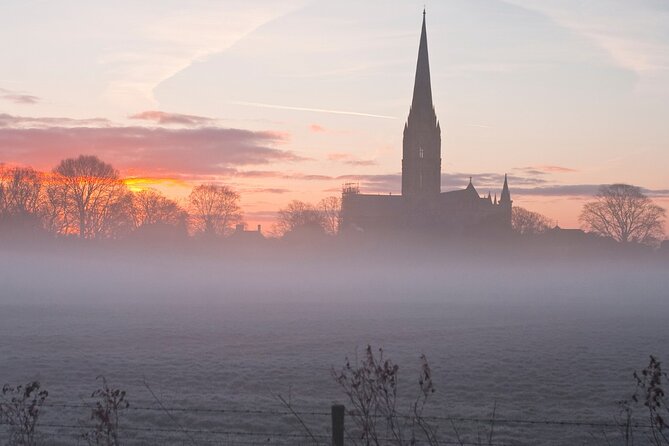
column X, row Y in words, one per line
column 526, row 222
column 299, row 217
column 86, row 197
column 624, row 213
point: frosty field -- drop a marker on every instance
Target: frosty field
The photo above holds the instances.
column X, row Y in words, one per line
column 553, row 348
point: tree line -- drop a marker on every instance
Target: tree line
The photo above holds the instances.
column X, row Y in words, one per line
column 85, row 197
column 621, row 212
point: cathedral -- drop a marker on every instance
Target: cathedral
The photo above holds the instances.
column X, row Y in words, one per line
column 422, row 205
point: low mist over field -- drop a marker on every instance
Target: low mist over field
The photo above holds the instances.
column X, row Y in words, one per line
column 329, row 272
column 221, row 327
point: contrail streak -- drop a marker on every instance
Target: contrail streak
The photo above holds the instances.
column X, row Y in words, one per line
column 316, row 110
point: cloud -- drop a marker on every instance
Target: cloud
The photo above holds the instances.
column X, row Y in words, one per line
column 165, row 43
column 519, row 185
column 338, row 156
column 631, row 33
column 166, row 118
column 556, row 169
column 576, row 190
column 487, row 180
column 21, row 98
column 258, row 174
column 18, row 98
column 544, row 169
column 264, row 216
column 7, row 121
column 186, row 151
column 360, row 162
column 392, row 182
column 309, row 109
column 316, row 128
column 351, row 160
column 270, row 190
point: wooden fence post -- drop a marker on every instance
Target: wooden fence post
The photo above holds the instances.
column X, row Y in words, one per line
column 338, row 425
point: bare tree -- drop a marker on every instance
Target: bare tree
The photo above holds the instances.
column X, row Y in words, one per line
column 526, row 222
column 330, row 207
column 153, row 208
column 624, row 213
column 94, row 201
column 20, row 190
column 54, row 206
column 118, row 218
column 299, row 215
column 214, row 210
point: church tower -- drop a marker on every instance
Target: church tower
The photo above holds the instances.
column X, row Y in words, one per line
column 421, row 148
column 505, row 203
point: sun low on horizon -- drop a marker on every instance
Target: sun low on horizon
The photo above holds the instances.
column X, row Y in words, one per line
column 290, row 100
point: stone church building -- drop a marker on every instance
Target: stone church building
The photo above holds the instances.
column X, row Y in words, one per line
column 422, row 205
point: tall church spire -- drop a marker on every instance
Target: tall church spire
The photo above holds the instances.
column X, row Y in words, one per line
column 422, row 88
column 421, row 146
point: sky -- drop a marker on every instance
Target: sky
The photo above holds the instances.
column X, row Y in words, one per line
column 291, row 99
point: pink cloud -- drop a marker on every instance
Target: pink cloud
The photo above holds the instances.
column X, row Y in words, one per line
column 556, row 169
column 316, row 128
column 41, row 122
column 543, row 169
column 270, row 190
column 160, row 117
column 194, row 151
column 351, row 160
column 356, row 162
column 18, row 98
column 259, row 174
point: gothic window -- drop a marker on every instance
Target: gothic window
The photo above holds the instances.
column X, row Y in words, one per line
column 420, row 153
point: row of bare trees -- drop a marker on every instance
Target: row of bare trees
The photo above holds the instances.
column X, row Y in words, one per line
column 301, row 217
column 86, row 197
column 619, row 211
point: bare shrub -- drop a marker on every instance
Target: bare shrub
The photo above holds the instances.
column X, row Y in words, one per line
column 650, row 394
column 105, row 415
column 371, row 387
column 20, row 408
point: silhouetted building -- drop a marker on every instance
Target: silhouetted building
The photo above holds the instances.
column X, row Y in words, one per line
column 241, row 233
column 422, row 205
